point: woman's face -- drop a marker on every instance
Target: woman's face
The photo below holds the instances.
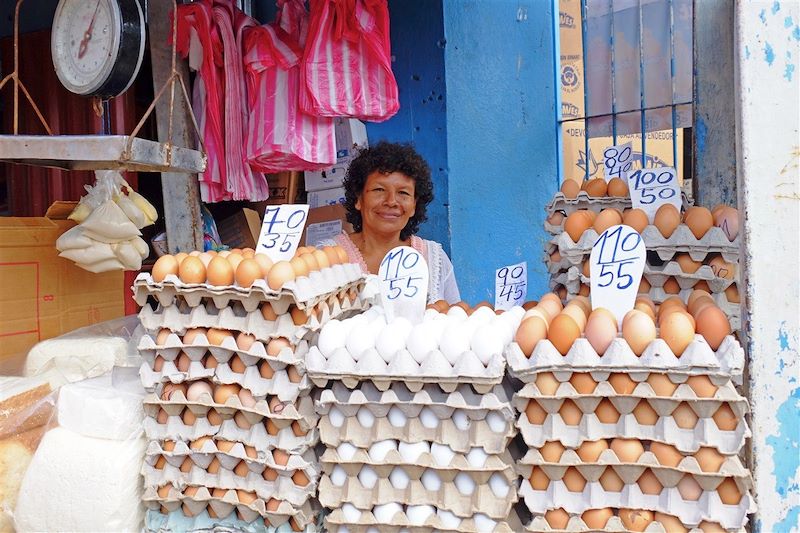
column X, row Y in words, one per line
column 387, row 202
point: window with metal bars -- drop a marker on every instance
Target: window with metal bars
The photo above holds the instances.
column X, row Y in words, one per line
column 625, row 76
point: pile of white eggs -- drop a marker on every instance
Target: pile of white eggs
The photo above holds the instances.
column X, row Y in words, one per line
column 397, row 418
column 416, row 515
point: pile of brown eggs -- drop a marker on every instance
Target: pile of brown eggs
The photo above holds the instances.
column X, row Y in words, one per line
column 595, row 188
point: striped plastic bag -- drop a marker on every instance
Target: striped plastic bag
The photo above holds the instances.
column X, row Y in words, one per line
column 347, row 66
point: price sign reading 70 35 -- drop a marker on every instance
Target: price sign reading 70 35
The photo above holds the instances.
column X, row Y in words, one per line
column 281, row 230
column 403, row 275
column 616, row 265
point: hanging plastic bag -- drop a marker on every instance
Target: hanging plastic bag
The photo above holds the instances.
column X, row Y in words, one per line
column 347, row 66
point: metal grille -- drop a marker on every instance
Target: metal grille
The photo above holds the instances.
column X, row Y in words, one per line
column 625, row 75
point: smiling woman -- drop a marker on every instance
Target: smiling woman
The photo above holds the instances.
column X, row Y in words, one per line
column 387, row 190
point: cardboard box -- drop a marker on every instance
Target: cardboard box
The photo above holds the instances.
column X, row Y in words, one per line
column 43, row 295
column 326, row 179
column 283, row 188
column 351, row 135
column 240, row 230
column 326, row 197
column 325, row 223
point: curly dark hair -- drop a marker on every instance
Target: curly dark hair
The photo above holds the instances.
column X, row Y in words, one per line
column 386, row 158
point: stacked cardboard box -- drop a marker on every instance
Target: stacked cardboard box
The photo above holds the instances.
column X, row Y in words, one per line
column 324, row 187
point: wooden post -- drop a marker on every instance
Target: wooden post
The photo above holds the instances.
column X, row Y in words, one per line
column 181, row 191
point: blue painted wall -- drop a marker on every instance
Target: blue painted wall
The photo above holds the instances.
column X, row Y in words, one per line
column 501, row 138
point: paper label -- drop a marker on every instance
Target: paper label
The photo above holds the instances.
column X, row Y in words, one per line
column 616, row 265
column 281, row 230
column 617, row 161
column 322, row 231
column 403, row 275
column 511, row 286
column 653, row 187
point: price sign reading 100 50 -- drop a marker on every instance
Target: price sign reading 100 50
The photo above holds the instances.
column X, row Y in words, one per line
column 653, row 187
column 617, row 160
column 281, row 230
column 616, row 265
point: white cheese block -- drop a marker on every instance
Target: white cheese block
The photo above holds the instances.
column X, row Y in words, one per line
column 77, row 359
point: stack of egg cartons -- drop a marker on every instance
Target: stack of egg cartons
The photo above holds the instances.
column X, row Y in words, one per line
column 416, row 421
column 231, row 422
column 632, row 437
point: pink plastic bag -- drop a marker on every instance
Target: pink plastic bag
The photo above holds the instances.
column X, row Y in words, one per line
column 280, row 135
column 347, row 66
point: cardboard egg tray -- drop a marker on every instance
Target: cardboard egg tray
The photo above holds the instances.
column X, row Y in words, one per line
column 434, row 369
column 482, row 499
column 256, row 436
column 575, row 525
column 177, row 522
column 307, row 461
column 584, row 201
column 697, row 359
column 305, row 291
column 708, row 507
column 337, row 522
column 196, row 504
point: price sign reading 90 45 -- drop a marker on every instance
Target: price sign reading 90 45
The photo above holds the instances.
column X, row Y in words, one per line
column 403, row 275
column 511, row 286
column 653, row 187
column 281, row 230
column 617, row 161
column 615, row 266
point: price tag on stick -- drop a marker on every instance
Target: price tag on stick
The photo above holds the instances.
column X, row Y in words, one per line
column 616, row 265
column 653, row 187
column 281, row 230
column 617, row 161
column 403, row 275
column 511, row 286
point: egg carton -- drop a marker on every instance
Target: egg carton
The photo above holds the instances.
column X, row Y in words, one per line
column 584, row 201
column 177, row 522
column 338, row 522
column 202, row 500
column 305, row 291
column 282, row 487
column 538, row 524
column 697, row 359
column 448, row 497
column 256, row 436
column 433, row 369
column 708, row 507
column 668, row 476
column 307, row 461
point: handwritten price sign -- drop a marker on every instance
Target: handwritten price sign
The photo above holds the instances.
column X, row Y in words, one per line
column 281, row 230
column 653, row 187
column 617, row 161
column 404, row 277
column 511, row 285
column 616, row 265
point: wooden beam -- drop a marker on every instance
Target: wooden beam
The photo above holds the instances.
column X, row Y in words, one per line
column 181, row 191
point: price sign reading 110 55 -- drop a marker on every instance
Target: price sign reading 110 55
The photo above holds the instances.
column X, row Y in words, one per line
column 653, row 187
column 511, row 286
column 403, row 275
column 617, row 161
column 281, row 230
column 616, row 265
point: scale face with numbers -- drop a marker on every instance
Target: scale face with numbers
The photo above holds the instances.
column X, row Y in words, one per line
column 98, row 45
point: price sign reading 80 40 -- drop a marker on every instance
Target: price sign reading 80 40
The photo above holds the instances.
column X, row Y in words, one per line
column 617, row 161
column 616, row 267
column 404, row 276
column 653, row 187
column 511, row 285
column 281, row 230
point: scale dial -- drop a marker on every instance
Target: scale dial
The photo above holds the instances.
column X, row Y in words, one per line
column 97, row 45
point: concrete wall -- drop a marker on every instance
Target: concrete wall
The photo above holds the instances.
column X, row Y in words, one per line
column 767, row 109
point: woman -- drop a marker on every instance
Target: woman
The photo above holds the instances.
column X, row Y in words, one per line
column 387, row 191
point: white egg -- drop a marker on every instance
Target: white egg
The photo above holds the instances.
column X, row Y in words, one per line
column 514, row 314
column 455, row 341
column 449, row 520
column 496, row 422
column 481, row 315
column 378, row 451
column 464, row 484
column 428, row 418
column 410, row 452
column 422, row 340
column 384, row 513
column 431, row 480
column 486, row 343
column 499, row 485
column 368, row 477
column 504, row 330
column 336, row 417
column 343, row 529
column 429, row 314
column 460, row 419
column 351, row 512
column 477, row 457
column 396, row 417
column 338, row 476
column 389, row 341
column 398, row 478
column 365, row 417
column 346, row 451
column 483, row 523
column 331, row 338
column 359, row 341
column 417, row 514
column 442, row 453
column 457, row 313
column 371, row 529
column 403, row 325
column 438, row 326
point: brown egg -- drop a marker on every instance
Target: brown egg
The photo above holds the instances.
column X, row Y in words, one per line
column 241, row 469
column 577, row 314
column 589, row 451
column 570, row 188
column 644, row 414
column 168, row 446
column 732, row 294
column 246, row 398
column 264, row 263
column 246, row 497
column 247, row 272
column 163, row 491
column 223, row 392
column 671, row 524
column 725, row 418
column 666, row 454
column 161, row 338
column 662, row 385
column 677, row 330
column 596, row 187
column 551, row 451
column 171, row 388
column 636, row 519
column 606, row 219
column 160, row 462
column 702, row 285
column 617, row 188
column 244, row 341
column 610, row 481
column 557, row 518
column 300, row 267
column 667, row 220
column 597, row 519
column 561, row 291
column 671, row 286
column 236, row 364
column 531, row 330
column 689, row 489
column 563, row 332
column 685, row 417
column 535, row 413
column 234, row 259
column 635, row 218
column 645, row 304
column 699, row 220
column 270, row 474
column 158, row 363
column 601, row 329
column 241, row 421
column 622, row 383
column 583, row 382
column 280, row 457
column 547, row 383
column 300, row 479
column 709, row 459
column 293, row 375
column 213, row 417
column 268, row 312
column 649, row 484
column 702, row 386
column 687, row 264
column 538, row 479
column 192, row 334
column 556, row 218
column 214, row 466
column 723, row 269
column 669, row 303
column 275, row 346
column 188, row 417
column 266, row 370
column 573, row 480
column 584, row 303
column 276, row 405
column 711, row 527
column 627, row 450
column 299, row 317
column 198, row 443
column 638, row 330
column 555, row 257
column 217, row 336
column 539, row 312
column 298, row 430
column 695, row 298
column 330, row 253
column 729, row 492
column 164, row 266
column 576, row 224
column 570, row 413
column 280, row 273
column 644, row 286
column 322, row 259
column 727, row 218
column 225, row 445
column 183, row 362
column 192, row 270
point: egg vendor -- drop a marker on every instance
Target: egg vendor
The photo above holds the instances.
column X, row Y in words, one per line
column 387, row 191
